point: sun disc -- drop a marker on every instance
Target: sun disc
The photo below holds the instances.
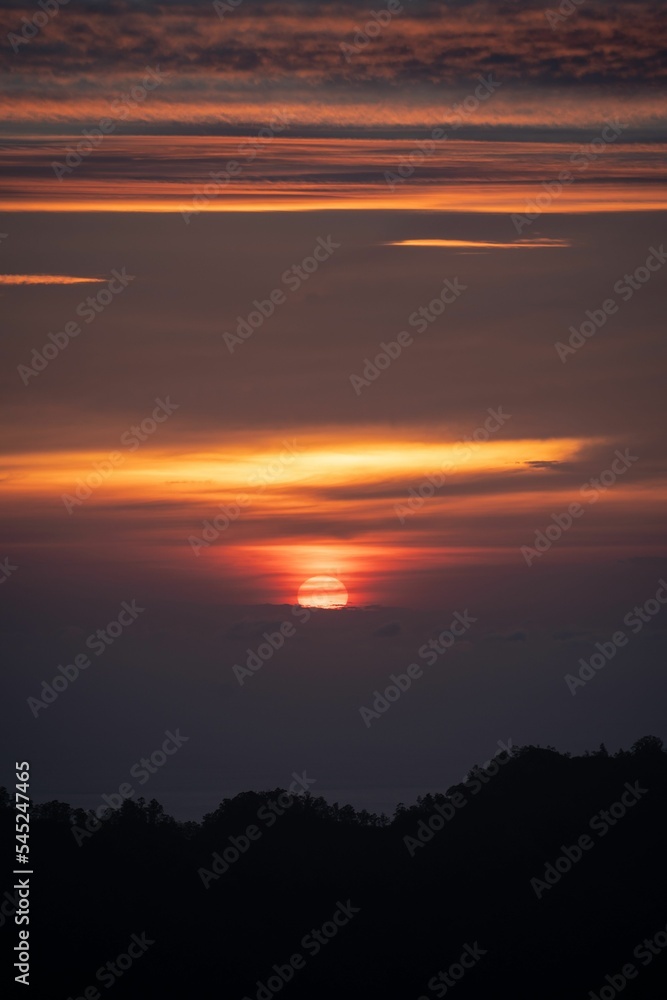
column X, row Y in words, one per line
column 322, row 592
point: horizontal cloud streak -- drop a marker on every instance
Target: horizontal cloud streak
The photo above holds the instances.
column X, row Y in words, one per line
column 481, row 244
column 224, row 72
column 167, row 174
column 439, row 44
column 46, row 279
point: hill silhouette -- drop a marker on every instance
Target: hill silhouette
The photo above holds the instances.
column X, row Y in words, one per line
column 541, row 878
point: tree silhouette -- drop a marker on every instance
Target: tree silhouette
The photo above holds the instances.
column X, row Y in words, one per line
column 470, row 879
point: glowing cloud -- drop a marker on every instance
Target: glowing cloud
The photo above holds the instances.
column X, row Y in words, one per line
column 46, row 279
column 474, row 244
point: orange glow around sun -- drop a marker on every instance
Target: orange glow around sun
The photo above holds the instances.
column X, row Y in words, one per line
column 263, row 512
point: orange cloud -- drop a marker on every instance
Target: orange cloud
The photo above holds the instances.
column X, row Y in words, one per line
column 280, row 522
column 302, row 41
column 458, row 198
column 475, row 244
column 174, row 174
column 46, row 279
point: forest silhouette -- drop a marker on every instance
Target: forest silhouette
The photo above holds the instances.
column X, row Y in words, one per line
column 539, row 877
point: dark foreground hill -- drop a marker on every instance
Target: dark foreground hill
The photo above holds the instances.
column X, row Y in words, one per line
column 544, row 879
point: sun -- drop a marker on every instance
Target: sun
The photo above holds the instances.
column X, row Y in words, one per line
column 322, row 592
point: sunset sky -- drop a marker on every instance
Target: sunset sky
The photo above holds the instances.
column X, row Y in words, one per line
column 211, row 229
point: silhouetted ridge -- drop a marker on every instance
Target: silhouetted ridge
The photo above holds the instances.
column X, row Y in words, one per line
column 227, row 899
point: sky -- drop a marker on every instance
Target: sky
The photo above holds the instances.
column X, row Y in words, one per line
column 297, row 290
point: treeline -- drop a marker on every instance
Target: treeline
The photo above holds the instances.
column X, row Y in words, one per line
column 541, row 876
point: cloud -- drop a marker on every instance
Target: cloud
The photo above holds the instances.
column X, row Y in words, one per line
column 433, row 43
column 527, row 244
column 432, row 54
column 47, row 279
column 388, row 631
column 291, row 172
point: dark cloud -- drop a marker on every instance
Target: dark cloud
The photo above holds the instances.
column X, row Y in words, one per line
column 518, row 636
column 388, row 631
column 431, row 42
